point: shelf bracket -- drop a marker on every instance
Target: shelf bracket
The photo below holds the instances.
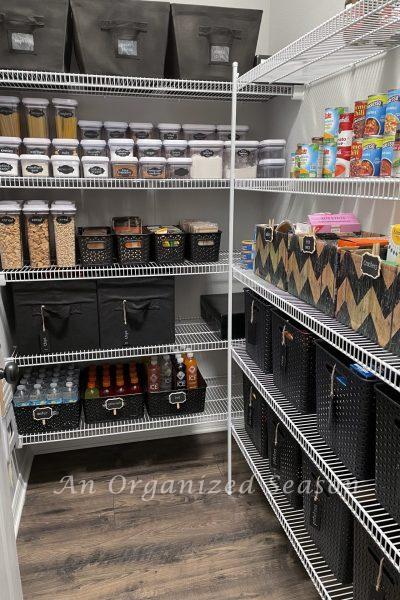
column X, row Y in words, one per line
column 298, row 92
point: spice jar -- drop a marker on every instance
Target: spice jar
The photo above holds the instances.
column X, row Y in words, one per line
column 90, row 130
column 65, row 146
column 9, row 165
column 207, row 158
column 141, row 131
column 175, row 148
column 246, row 154
column 63, row 214
column 35, row 165
column 169, row 131
column 198, row 132
column 37, row 227
column 65, row 117
column 36, row 117
column 65, row 166
column 146, row 148
column 10, row 145
column 94, row 147
column 95, row 166
column 10, row 235
column 179, row 168
column 115, row 129
column 37, row 145
column 120, row 148
column 224, row 132
column 125, row 168
column 152, row 167
column 10, row 124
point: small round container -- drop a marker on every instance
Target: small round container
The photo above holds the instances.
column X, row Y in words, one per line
column 246, row 154
column 125, row 168
column 198, row 132
column 169, row 131
column 65, row 117
column 271, row 149
column 224, row 132
column 10, row 123
column 65, row 166
column 35, row 165
column 115, row 129
column 152, row 167
column 63, row 214
column 179, row 168
column 10, row 235
column 95, row 166
column 37, row 145
column 120, row 148
column 10, row 145
column 94, row 147
column 175, row 148
column 37, row 227
column 141, row 131
column 207, row 158
column 148, row 148
column 9, row 165
column 272, row 168
column 36, row 110
column 65, row 147
column 90, row 130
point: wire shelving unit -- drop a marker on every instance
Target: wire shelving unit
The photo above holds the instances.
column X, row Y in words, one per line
column 110, row 183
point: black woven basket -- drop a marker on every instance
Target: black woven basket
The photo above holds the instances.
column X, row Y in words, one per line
column 49, row 417
column 368, row 572
column 168, row 247
column 293, row 362
column 329, row 523
column 258, row 330
column 285, row 460
column 388, row 449
column 203, row 247
column 177, row 402
column 346, row 411
column 114, row 408
column 255, row 417
column 133, row 248
column 95, row 250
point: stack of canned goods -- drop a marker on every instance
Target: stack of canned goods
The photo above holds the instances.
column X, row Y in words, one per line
column 247, row 255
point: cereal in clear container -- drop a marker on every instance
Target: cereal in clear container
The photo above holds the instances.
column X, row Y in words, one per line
column 37, row 228
column 10, row 235
column 63, row 215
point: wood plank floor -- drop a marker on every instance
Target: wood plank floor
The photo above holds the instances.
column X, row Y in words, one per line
column 133, row 546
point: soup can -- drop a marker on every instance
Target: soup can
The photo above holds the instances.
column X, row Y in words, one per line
column 293, row 164
column 308, row 161
column 331, row 127
column 360, row 109
column 375, row 115
column 392, row 118
column 356, row 158
column 329, row 160
column 372, row 156
column 387, row 156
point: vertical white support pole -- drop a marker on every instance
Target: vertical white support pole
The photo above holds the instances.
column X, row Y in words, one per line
column 230, row 274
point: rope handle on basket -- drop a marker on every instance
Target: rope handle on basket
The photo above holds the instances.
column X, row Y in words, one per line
column 42, row 308
column 380, row 575
column 124, row 311
column 332, row 391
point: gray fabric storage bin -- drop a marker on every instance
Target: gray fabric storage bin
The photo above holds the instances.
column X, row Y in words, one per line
column 204, row 41
column 122, row 37
column 35, row 35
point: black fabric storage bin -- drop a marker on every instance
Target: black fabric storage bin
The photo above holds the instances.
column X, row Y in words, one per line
column 285, row 459
column 123, row 37
column 205, row 40
column 255, row 417
column 329, row 522
column 70, row 316
column 346, row 411
column 293, row 362
column 214, row 310
column 203, row 247
column 133, row 248
column 136, row 312
column 177, row 402
column 367, row 563
column 47, row 417
column 258, row 330
column 387, row 476
column 35, row 35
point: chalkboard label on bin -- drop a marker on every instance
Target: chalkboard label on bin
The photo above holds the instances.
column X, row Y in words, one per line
column 207, row 153
column 199, row 136
column 316, row 512
column 36, row 220
column 34, row 169
column 154, row 171
column 63, row 219
column 5, row 167
column 90, row 134
column 6, row 111
column 177, row 398
column 65, row 169
column 181, row 172
column 371, row 265
column 96, row 170
column 36, row 112
column 122, row 152
column 243, row 153
column 269, row 234
column 114, row 404
column 65, row 114
column 6, row 220
column 42, row 414
column 309, row 244
column 276, row 456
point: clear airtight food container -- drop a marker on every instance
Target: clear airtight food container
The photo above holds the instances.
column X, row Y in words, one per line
column 10, row 123
column 9, row 145
column 90, row 130
column 35, row 165
column 10, row 235
column 9, row 165
column 37, row 145
column 37, row 227
column 63, row 215
column 65, row 166
column 224, row 132
column 125, row 168
column 141, row 131
column 115, row 129
column 65, row 146
column 152, row 167
column 120, row 148
column 246, row 154
column 175, row 148
column 272, row 168
column 36, row 110
column 94, row 147
column 148, row 148
column 95, row 166
column 206, row 158
column 169, row 131
column 198, row 132
column 179, row 168
column 65, row 117
column 271, row 149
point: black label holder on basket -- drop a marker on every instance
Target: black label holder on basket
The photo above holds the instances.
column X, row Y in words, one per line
column 177, row 398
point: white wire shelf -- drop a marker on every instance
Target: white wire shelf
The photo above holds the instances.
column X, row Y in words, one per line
column 361, row 32
column 216, row 409
column 194, row 334
column 359, row 496
column 374, row 358
column 116, row 271
column 292, row 522
column 372, row 188
column 111, row 85
column 100, row 183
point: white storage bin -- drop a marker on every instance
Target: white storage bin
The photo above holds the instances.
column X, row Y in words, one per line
column 115, row 129
column 152, row 167
column 224, row 132
column 120, row 148
column 37, row 145
column 90, row 130
column 175, row 148
column 272, row 168
column 9, row 145
column 35, row 165
column 95, row 166
column 94, row 147
column 169, row 131
column 141, row 131
column 65, row 166
column 9, row 165
column 246, row 155
column 146, row 148
column 207, row 158
column 179, row 168
column 272, row 149
column 198, row 132
column 65, row 146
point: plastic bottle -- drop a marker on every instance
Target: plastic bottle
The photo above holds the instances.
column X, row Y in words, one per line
column 153, row 376
column 70, row 393
column 135, row 387
column 91, row 390
column 120, row 388
column 166, row 373
column 191, row 371
column 53, row 395
column 180, row 374
column 37, row 393
column 21, row 394
column 105, row 389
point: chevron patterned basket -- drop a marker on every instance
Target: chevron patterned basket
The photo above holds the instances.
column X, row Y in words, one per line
column 271, row 261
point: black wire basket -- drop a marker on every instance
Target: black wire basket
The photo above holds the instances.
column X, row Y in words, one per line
column 258, row 330
column 177, row 402
column 48, row 417
column 203, row 247
column 255, row 417
column 133, row 248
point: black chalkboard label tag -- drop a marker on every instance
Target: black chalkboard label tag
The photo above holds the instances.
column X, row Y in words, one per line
column 283, row 357
column 44, row 342
column 125, row 335
column 42, row 414
column 371, row 265
column 250, row 415
column 309, row 244
column 114, row 404
column 276, row 456
column 269, row 234
column 177, row 398
column 316, row 513
column 374, row 595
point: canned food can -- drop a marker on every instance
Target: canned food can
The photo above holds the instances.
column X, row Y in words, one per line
column 308, row 161
column 247, row 245
column 247, row 265
column 392, row 118
column 331, row 127
column 375, row 115
column 372, row 156
column 387, row 156
column 346, row 121
column 356, row 158
column 396, row 157
column 329, row 161
column 293, row 164
column 342, row 167
column 360, row 109
column 247, row 256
